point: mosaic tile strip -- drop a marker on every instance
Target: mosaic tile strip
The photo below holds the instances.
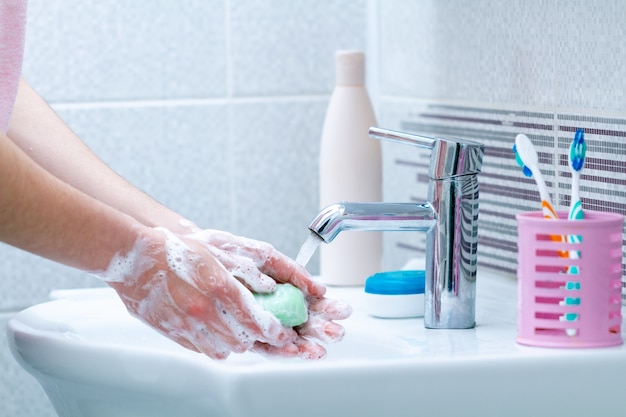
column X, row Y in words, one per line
column 504, row 190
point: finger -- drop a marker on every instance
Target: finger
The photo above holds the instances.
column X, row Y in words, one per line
column 309, row 350
column 269, row 261
column 186, row 344
column 212, row 349
column 329, row 308
column 322, row 330
column 242, row 265
column 284, row 269
column 289, row 350
column 254, row 279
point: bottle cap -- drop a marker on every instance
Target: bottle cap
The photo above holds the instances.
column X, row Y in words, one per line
column 350, row 68
column 396, row 294
column 396, row 283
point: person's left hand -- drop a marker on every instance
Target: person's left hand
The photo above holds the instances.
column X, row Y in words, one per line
column 259, row 266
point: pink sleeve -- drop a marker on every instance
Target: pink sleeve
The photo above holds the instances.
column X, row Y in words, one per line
column 12, row 28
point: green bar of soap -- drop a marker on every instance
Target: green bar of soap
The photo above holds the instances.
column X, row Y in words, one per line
column 286, row 303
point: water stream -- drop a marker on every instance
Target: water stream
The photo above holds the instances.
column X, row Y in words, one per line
column 308, row 248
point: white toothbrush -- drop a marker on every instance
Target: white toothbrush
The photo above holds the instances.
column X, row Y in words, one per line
column 526, row 157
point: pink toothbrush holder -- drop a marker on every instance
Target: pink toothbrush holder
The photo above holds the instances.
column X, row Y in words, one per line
column 569, row 280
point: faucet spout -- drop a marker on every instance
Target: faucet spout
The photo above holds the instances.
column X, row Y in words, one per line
column 373, row 217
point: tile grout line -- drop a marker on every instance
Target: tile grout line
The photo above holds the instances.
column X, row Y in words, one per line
column 232, row 221
column 184, row 102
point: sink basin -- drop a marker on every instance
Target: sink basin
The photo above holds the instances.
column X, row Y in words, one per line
column 93, row 359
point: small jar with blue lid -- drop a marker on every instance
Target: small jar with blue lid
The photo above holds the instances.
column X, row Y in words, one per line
column 396, row 294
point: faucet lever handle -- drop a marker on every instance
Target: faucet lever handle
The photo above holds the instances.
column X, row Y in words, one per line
column 449, row 157
column 401, row 137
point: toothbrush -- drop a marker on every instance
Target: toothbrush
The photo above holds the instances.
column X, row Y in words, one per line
column 527, row 159
column 577, row 153
column 576, row 160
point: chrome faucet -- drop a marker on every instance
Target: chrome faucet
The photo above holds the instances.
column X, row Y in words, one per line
column 449, row 218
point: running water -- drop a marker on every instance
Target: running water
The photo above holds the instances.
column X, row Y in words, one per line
column 308, row 248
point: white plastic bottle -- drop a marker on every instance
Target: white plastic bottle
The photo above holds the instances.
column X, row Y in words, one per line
column 350, row 170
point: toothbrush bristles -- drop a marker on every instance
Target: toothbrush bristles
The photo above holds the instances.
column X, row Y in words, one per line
column 527, row 172
column 579, row 135
column 578, row 150
column 577, row 163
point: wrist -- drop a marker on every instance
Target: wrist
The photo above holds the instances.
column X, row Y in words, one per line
column 184, row 227
column 134, row 259
column 171, row 221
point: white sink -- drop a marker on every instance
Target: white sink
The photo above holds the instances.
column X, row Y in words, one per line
column 93, row 359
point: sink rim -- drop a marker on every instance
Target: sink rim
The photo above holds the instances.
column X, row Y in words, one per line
column 80, row 307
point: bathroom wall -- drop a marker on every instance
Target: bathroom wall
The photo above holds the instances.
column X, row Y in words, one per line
column 488, row 70
column 214, row 107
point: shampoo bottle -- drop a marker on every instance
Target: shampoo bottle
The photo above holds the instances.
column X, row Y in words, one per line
column 350, row 170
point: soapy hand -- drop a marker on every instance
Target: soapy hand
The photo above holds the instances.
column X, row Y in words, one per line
column 195, row 289
column 259, row 266
column 176, row 285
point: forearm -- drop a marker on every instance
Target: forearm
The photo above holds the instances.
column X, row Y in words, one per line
column 41, row 134
column 43, row 215
column 60, row 201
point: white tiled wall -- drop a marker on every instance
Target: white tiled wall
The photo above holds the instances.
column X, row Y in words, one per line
column 539, row 53
column 121, row 50
column 215, row 106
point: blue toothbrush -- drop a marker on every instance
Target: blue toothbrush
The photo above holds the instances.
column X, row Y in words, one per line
column 577, row 153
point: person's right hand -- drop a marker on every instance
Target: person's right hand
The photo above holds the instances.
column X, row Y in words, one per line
column 319, row 326
column 260, row 266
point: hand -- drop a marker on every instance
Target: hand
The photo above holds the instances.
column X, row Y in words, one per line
column 177, row 286
column 322, row 311
column 260, row 266
column 257, row 264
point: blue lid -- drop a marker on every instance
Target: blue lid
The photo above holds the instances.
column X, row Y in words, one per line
column 396, row 283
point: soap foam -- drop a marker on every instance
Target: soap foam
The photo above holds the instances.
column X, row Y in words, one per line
column 179, row 257
column 233, row 321
column 243, row 258
column 133, row 263
column 187, row 224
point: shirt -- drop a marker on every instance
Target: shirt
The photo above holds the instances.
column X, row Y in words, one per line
column 12, row 30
